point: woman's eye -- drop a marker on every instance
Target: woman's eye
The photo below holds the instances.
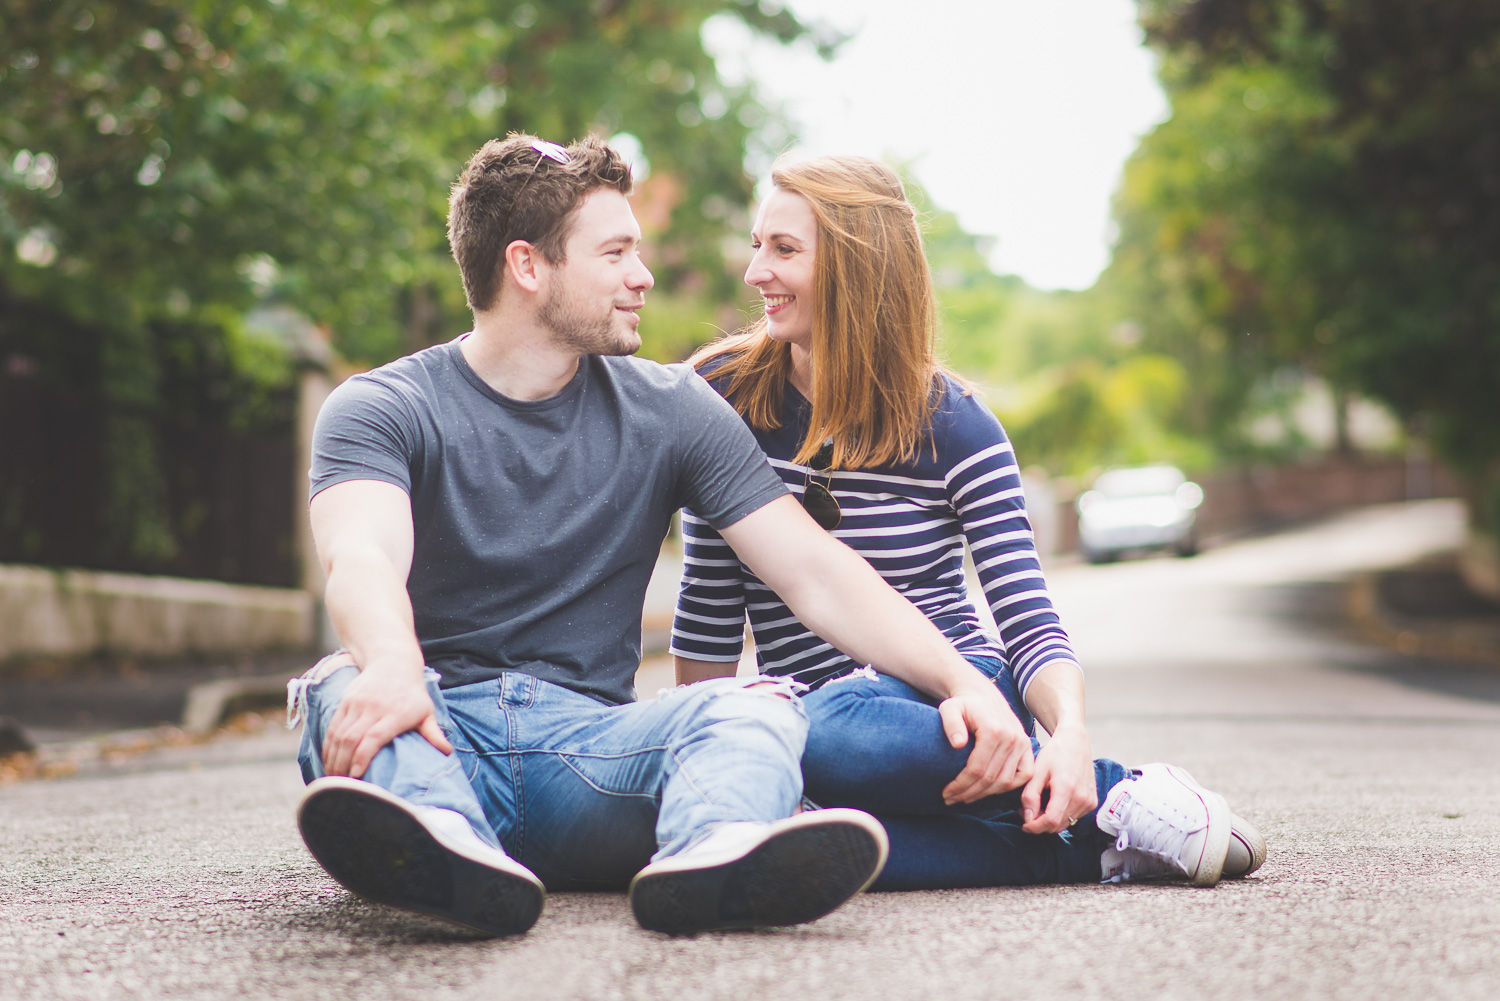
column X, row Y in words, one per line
column 754, row 244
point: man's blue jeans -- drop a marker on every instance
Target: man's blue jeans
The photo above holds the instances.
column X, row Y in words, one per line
column 581, row 793
column 877, row 744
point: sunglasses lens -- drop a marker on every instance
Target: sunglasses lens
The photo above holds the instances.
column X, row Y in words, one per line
column 551, row 151
column 822, row 506
column 822, row 458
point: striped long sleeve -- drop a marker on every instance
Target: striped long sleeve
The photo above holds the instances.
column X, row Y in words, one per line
column 910, row 520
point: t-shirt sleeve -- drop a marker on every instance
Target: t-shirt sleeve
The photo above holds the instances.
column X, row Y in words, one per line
column 984, row 488
column 722, row 473
column 365, row 431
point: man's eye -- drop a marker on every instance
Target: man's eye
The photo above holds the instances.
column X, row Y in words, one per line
column 754, row 244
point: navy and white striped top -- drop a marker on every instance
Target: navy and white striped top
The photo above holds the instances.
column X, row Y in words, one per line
column 910, row 521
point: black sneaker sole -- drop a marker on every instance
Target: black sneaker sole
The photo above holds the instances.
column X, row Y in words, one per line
column 796, row 876
column 380, row 851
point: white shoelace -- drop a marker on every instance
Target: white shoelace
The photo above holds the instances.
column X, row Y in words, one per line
column 1159, row 836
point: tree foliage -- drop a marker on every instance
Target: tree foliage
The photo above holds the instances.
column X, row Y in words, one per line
column 1327, row 193
column 167, row 164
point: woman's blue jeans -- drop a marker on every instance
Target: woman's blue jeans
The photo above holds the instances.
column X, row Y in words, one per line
column 582, row 793
column 877, row 744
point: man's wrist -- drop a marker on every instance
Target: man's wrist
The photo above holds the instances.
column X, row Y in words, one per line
column 394, row 667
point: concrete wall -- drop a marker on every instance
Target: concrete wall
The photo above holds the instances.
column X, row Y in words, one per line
column 86, row 613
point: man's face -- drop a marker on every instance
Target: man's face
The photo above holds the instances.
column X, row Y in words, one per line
column 595, row 294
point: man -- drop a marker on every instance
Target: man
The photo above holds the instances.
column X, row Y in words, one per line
column 488, row 512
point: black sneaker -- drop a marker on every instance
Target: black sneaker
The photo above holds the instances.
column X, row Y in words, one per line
column 754, row 875
column 418, row 858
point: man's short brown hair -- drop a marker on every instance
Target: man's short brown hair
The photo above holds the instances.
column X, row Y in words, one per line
column 510, row 191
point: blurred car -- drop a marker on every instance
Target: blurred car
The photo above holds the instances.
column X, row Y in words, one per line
column 1140, row 508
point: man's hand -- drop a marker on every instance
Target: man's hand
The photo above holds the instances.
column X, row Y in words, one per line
column 1001, row 759
column 1065, row 770
column 378, row 707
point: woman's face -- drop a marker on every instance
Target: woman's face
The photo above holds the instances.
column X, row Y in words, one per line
column 785, row 238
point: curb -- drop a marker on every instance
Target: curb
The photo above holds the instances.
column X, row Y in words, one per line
column 1462, row 641
column 213, row 702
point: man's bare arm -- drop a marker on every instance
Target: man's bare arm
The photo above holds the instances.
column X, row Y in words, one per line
column 840, row 597
column 363, row 531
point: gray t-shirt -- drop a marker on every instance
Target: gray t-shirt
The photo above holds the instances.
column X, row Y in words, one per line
column 537, row 524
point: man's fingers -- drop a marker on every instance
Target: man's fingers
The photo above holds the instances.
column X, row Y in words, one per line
column 434, row 734
column 370, row 743
column 954, row 724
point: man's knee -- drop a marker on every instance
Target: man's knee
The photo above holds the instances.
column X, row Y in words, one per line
column 772, row 704
column 312, row 700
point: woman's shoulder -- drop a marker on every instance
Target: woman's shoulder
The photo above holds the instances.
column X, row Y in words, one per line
column 712, row 369
column 962, row 424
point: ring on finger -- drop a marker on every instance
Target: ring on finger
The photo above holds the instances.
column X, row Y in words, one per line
column 1072, row 821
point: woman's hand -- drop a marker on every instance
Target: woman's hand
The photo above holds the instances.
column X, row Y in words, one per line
column 1001, row 759
column 1065, row 771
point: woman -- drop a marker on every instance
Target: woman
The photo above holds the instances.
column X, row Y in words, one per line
column 840, row 383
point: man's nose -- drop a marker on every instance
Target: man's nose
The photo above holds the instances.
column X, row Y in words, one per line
column 642, row 279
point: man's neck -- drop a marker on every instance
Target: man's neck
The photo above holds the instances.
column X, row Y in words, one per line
column 516, row 356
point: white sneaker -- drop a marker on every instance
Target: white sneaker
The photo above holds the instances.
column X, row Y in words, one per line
column 419, row 858
column 1247, row 853
column 1247, row 848
column 1164, row 824
column 755, row 875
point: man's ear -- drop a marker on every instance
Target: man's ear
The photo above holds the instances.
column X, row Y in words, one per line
column 524, row 263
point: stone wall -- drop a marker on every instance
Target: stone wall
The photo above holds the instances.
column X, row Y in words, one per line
column 86, row 613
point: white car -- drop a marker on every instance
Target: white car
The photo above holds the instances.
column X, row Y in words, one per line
column 1144, row 507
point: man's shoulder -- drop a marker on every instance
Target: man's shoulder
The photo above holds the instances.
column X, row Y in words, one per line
column 409, row 372
column 405, row 382
column 631, row 371
column 667, row 388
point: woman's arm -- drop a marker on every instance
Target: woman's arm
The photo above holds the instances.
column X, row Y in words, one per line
column 708, row 630
column 985, row 490
column 690, row 671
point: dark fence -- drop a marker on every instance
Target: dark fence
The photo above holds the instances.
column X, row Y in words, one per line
column 226, row 494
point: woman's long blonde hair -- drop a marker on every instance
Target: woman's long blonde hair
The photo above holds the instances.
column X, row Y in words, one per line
column 874, row 329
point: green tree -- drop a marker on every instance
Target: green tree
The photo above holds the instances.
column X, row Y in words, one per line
column 1349, row 214
column 165, row 165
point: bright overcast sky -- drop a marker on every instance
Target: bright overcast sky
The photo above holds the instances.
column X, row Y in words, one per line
column 1016, row 114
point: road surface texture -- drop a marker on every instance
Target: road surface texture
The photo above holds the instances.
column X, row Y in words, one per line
column 179, row 874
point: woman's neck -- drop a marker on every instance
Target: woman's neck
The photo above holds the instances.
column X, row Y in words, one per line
column 802, row 370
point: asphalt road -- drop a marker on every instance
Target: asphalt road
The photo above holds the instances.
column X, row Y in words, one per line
column 179, row 874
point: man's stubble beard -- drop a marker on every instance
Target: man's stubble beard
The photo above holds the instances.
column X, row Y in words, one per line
column 574, row 329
